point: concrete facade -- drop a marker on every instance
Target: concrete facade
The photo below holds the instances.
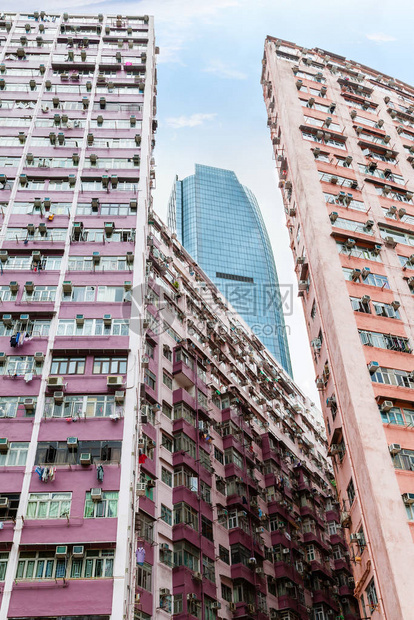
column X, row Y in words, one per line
column 342, row 137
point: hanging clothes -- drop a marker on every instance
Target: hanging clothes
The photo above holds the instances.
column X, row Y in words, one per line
column 142, row 458
column 39, row 471
column 100, row 473
column 14, row 340
column 140, row 555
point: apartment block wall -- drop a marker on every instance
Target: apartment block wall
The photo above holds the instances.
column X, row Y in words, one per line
column 76, row 138
column 236, row 510
column 342, row 141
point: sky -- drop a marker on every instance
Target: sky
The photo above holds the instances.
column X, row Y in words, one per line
column 210, row 103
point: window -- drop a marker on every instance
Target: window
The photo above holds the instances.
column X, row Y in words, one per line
column 40, row 293
column 392, row 376
column 207, row 528
column 109, row 365
column 166, row 476
column 68, row 366
column 93, row 327
column 181, row 410
column 360, row 306
column 351, row 492
column 58, row 453
column 371, row 593
column 99, row 406
column 167, row 410
column 385, row 341
column 144, row 576
column 218, row 455
column 150, row 379
column 166, row 514
column 187, row 555
column 16, row 455
column 178, row 604
column 3, row 565
column 167, row 442
column 167, row 353
column 10, row 405
column 48, row 505
column 224, row 555
column 310, row 553
column 108, row 507
column 183, row 513
column 387, row 310
column 226, row 592
column 183, row 443
column 167, row 380
column 44, row 565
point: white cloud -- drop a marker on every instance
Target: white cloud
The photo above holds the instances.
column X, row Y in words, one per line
column 178, row 122
column 222, row 70
column 380, row 37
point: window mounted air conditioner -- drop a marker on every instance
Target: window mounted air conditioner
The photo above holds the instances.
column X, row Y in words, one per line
column 394, row 448
column 216, row 605
column 164, row 591
column 85, row 458
column 72, row 443
column 4, row 502
column 61, row 551
column 141, row 488
column 54, row 382
column 350, row 243
column 232, row 606
column 36, row 256
column 408, row 498
column 78, row 551
column 129, row 258
column 7, row 319
column 14, row 286
column 4, row 445
column 365, row 299
column 251, row 609
column 39, row 357
column 114, row 380
column 58, row 397
column 119, row 396
column 197, row 576
column 127, row 285
column 67, row 286
column 373, row 367
column 29, row 287
column 4, row 255
column 333, row 216
column 107, row 319
column 80, row 320
column 387, row 405
column 390, row 241
column 29, row 404
column 355, row 537
column 96, row 495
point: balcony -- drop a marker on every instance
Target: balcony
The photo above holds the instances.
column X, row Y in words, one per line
column 282, row 569
column 325, row 596
column 184, row 376
column 317, row 566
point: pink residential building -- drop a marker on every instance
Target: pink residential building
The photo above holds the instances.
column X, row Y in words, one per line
column 343, row 137
column 155, row 460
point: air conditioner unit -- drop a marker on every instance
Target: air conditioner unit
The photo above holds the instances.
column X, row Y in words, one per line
column 259, row 571
column 85, row 458
column 96, row 494
column 394, row 448
column 14, row 286
column 408, row 498
column 114, row 380
column 39, row 357
column 7, row 319
column 29, row 404
column 286, row 551
column 67, row 286
column 141, row 488
column 4, row 445
column 129, row 257
column 197, row 576
column 373, row 367
column 335, row 449
column 232, row 606
column 58, row 397
column 216, row 605
column 61, row 551
column 395, row 304
column 365, row 299
column 333, row 216
column 345, row 519
column 80, row 320
column 390, row 241
column 4, row 502
column 72, row 443
column 320, row 383
column 119, row 396
column 127, row 285
column 303, row 285
column 24, row 318
column 164, row 591
column 355, row 537
column 29, row 287
column 260, row 530
column 251, row 609
column 350, row 243
column 107, row 319
column 387, row 405
column 4, row 255
column 191, row 596
column 54, row 382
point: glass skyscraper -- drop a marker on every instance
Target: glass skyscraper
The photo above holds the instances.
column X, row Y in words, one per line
column 219, row 223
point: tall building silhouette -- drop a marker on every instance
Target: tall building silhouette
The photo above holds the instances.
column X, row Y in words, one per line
column 218, row 221
column 343, row 137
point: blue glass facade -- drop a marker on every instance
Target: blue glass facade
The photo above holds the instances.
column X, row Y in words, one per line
column 219, row 223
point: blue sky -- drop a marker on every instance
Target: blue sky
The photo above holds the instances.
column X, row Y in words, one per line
column 210, row 105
